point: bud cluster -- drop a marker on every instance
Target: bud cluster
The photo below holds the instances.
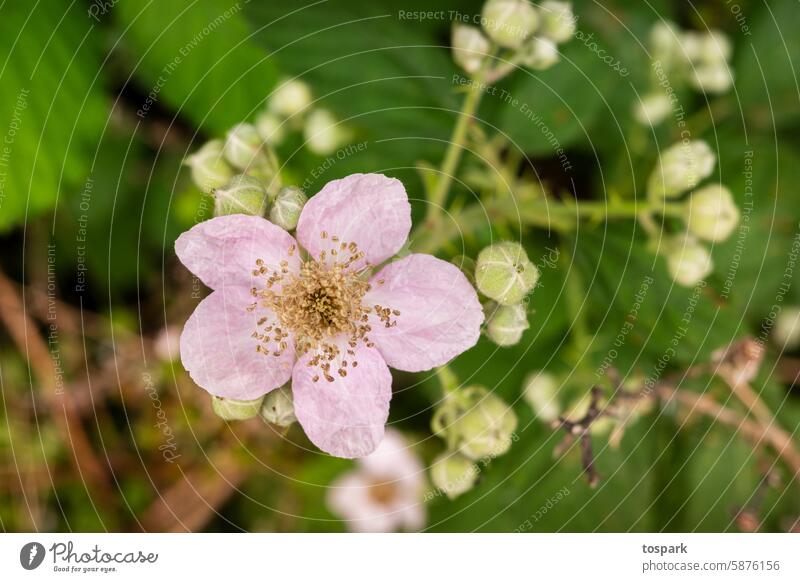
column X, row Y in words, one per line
column 505, row 275
column 709, row 214
column 699, row 58
column 531, row 32
column 477, row 426
column 275, row 407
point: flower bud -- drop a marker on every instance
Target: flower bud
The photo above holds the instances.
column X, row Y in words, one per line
column 786, row 332
column 288, row 205
column 509, row 22
column 507, row 324
column 681, row 167
column 278, row 407
column 229, row 409
column 242, row 195
column 711, row 213
column 485, row 429
column 710, row 47
column 540, row 389
column 290, row 98
column 540, row 54
column 558, row 21
column 688, row 261
column 652, row 109
column 470, row 47
column 270, row 128
column 243, row 147
column 666, row 43
column 323, row 132
column 453, row 473
column 208, row 165
column 712, row 78
column 504, row 273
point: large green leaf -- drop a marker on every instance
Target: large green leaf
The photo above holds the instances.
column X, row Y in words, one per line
column 197, row 58
column 51, row 106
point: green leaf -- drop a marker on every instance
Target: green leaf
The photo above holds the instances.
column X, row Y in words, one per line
column 51, row 105
column 197, row 58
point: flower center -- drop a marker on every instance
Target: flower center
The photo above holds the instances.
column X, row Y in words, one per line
column 322, row 305
column 382, row 492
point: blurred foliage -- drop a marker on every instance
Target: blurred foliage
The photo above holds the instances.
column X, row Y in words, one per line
column 104, row 108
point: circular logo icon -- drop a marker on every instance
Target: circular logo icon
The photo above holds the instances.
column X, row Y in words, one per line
column 31, row 555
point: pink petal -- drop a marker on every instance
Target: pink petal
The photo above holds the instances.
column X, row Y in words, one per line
column 349, row 498
column 393, row 459
column 440, row 315
column 224, row 250
column 219, row 352
column 345, row 417
column 370, row 210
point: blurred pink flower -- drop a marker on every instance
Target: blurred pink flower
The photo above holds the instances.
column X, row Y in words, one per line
column 319, row 318
column 384, row 492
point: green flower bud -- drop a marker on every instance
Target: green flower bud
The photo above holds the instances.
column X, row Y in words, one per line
column 229, row 409
column 470, row 47
column 208, row 166
column 290, row 98
column 540, row 54
column 714, row 78
column 540, row 392
column 509, row 22
column 786, row 332
column 558, row 21
column 666, row 43
column 242, row 195
column 688, row 261
column 323, row 132
column 454, row 474
column 504, row 273
column 711, row 213
column 278, row 407
column 681, row 167
column 652, row 109
column 507, row 324
column 485, row 429
column 243, row 147
column 288, row 205
column 270, row 128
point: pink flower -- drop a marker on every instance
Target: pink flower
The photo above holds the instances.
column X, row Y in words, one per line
column 319, row 319
column 384, row 492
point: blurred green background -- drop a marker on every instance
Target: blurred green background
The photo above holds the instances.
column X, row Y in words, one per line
column 93, row 194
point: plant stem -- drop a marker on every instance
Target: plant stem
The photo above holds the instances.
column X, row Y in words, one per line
column 455, row 148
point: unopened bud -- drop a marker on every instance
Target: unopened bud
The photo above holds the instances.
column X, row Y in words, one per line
column 507, row 324
column 652, row 109
column 666, row 43
column 270, row 128
column 786, row 332
column 278, row 407
column 558, row 21
column 208, row 166
column 229, row 409
column 243, row 147
column 714, row 78
column 540, row 54
column 242, row 195
column 709, row 47
column 540, row 390
column 486, row 429
column 286, row 208
column 504, row 273
column 470, row 47
column 454, row 474
column 290, row 98
column 711, row 213
column 509, row 22
column 323, row 132
column 688, row 261
column 681, row 167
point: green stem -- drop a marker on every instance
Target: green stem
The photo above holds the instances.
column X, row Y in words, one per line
column 455, row 148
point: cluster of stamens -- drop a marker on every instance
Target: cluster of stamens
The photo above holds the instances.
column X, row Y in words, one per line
column 321, row 305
